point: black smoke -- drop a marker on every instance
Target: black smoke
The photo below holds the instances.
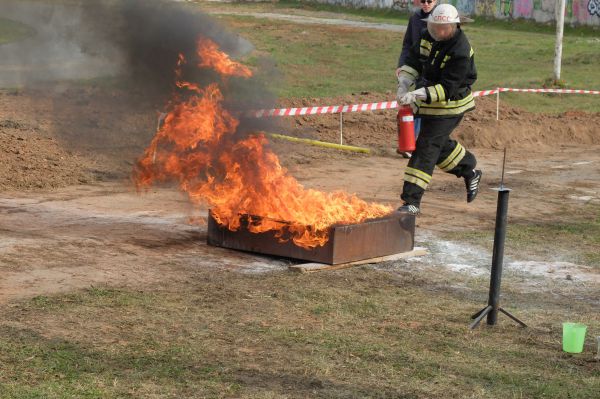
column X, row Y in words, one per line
column 149, row 36
column 108, row 67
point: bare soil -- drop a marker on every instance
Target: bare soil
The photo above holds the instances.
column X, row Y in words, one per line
column 515, row 129
column 73, row 135
column 70, row 217
column 70, row 134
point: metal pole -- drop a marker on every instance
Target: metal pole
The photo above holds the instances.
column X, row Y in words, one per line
column 498, row 104
column 503, row 169
column 560, row 23
column 341, row 128
column 498, row 255
column 493, row 306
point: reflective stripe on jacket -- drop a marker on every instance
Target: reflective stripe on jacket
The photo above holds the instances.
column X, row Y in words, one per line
column 447, row 71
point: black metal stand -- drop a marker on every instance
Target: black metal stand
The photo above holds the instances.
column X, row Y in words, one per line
column 493, row 307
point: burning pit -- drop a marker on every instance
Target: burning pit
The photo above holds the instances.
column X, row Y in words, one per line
column 219, row 162
column 372, row 238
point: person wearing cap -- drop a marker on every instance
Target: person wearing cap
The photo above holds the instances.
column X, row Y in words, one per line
column 416, row 26
column 441, row 70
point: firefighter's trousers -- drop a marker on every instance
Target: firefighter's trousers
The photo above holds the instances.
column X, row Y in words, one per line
column 434, row 147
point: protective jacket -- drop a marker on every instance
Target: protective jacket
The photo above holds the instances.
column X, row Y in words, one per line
column 447, row 71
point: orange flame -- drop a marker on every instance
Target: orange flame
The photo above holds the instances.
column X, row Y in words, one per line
column 197, row 146
column 212, row 58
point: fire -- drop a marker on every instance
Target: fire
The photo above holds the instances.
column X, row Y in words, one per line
column 197, row 146
column 211, row 57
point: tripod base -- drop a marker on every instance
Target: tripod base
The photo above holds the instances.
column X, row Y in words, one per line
column 485, row 311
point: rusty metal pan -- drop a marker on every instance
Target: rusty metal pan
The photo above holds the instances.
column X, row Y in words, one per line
column 384, row 236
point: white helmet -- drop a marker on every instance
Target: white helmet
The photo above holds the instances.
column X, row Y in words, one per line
column 443, row 22
column 443, row 14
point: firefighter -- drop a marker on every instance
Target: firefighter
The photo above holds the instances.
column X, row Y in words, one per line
column 440, row 70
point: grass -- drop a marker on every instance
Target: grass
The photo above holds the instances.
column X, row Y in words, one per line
column 11, row 31
column 576, row 239
column 401, row 17
column 314, row 67
column 325, row 61
column 581, row 239
column 288, row 335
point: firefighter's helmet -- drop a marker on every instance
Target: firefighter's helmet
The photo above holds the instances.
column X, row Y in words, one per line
column 443, row 22
column 443, row 14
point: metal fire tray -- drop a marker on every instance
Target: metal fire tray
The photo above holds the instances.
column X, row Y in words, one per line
column 392, row 234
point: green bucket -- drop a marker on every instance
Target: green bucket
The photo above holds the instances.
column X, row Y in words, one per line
column 573, row 337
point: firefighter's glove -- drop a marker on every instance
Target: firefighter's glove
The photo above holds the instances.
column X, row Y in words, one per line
column 403, row 85
column 413, row 96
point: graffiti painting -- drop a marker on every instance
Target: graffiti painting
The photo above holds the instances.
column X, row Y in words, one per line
column 486, row 7
column 594, row 7
column 578, row 12
column 402, row 5
column 504, row 8
column 465, row 7
column 523, row 9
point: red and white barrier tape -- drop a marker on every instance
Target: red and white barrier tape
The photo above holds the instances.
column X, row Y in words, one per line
column 332, row 109
column 561, row 91
column 482, row 93
column 336, row 109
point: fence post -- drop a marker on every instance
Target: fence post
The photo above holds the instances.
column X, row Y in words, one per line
column 497, row 103
column 560, row 23
column 341, row 128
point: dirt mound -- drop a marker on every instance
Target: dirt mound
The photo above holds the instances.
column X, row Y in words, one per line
column 516, row 128
column 59, row 137
column 30, row 160
column 84, row 134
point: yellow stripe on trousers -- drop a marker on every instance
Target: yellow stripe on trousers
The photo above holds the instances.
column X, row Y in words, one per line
column 417, row 177
column 453, row 159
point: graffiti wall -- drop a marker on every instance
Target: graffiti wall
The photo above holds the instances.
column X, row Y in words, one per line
column 578, row 12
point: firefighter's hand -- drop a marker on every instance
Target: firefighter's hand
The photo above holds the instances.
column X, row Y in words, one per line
column 403, row 85
column 413, row 96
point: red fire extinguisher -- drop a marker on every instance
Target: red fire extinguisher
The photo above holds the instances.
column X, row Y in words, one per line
column 406, row 129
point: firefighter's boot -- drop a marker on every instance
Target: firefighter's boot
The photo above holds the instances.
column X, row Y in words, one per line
column 472, row 183
column 410, row 209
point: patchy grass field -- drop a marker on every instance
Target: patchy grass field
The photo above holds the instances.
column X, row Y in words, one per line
column 328, row 61
column 573, row 237
column 359, row 334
